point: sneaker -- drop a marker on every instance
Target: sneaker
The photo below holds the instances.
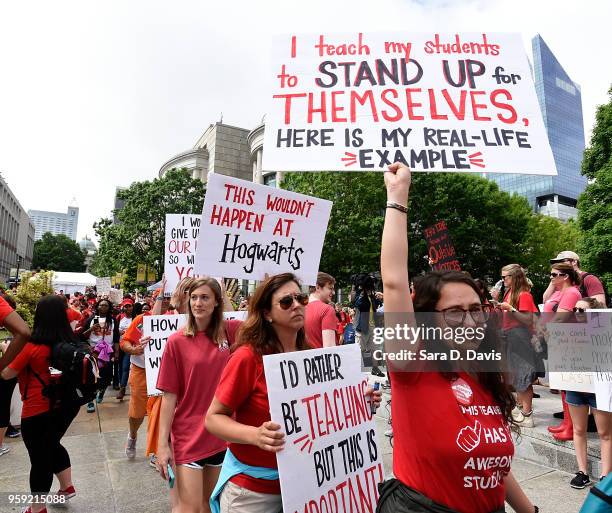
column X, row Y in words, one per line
column 130, row 447
column 153, row 462
column 517, row 415
column 121, row 394
column 601, row 478
column 91, row 407
column 29, row 510
column 69, row 493
column 580, row 480
column 100, row 397
column 377, row 372
column 527, row 420
column 4, row 449
column 13, row 432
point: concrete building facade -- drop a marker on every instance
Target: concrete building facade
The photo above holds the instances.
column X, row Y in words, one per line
column 55, row 222
column 16, row 234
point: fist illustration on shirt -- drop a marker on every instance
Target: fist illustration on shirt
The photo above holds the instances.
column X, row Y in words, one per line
column 469, row 437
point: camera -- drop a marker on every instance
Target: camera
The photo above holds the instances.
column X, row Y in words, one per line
column 367, row 282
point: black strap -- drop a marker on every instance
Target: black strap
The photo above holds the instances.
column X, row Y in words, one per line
column 25, row 390
column 598, row 493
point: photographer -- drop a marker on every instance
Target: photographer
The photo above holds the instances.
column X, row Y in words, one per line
column 366, row 301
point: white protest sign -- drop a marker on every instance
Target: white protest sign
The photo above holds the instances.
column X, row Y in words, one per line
column 437, row 102
column 331, row 452
column 180, row 248
column 248, row 230
column 575, row 381
column 159, row 328
column 103, row 286
column 115, row 296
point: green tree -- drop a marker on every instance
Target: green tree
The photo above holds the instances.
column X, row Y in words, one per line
column 31, row 288
column 488, row 227
column 595, row 204
column 139, row 235
column 58, row 253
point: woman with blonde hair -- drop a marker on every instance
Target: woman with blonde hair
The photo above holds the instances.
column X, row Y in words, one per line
column 517, row 325
column 191, row 367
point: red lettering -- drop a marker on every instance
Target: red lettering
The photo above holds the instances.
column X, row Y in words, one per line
column 476, row 106
column 504, row 106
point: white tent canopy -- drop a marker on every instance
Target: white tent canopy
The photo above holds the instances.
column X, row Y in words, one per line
column 72, row 282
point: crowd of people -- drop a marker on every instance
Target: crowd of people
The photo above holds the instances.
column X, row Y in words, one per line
column 210, row 435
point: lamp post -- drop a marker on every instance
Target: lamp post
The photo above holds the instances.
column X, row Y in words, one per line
column 18, row 264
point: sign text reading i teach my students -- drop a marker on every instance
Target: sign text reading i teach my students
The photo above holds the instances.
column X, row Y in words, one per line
column 436, row 102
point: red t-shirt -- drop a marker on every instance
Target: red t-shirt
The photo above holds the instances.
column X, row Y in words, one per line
column 37, row 357
column 319, row 316
column 455, row 455
column 191, row 368
column 592, row 285
column 5, row 309
column 243, row 390
column 566, row 299
column 525, row 304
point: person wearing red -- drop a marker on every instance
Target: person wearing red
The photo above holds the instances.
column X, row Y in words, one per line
column 517, row 325
column 343, row 319
column 453, row 445
column 591, row 285
column 42, row 426
column 123, row 321
column 191, row 367
column 17, row 327
column 564, row 281
column 321, row 322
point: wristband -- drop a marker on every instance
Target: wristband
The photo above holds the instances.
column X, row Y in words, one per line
column 397, row 206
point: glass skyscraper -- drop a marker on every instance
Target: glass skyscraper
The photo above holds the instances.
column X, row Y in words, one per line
column 561, row 105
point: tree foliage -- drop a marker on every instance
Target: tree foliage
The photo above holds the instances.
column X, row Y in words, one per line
column 58, row 253
column 489, row 228
column 139, row 235
column 31, row 288
column 595, row 204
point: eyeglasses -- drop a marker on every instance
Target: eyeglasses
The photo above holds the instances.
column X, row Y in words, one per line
column 579, row 310
column 286, row 302
column 554, row 275
column 456, row 316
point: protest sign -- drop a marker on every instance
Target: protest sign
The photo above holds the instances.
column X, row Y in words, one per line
column 159, row 328
column 331, row 455
column 575, row 381
column 436, row 102
column 440, row 248
column 180, row 248
column 248, row 230
column 103, row 286
column 115, row 296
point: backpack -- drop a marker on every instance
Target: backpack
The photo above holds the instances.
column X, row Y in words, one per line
column 583, row 292
column 348, row 337
column 79, row 368
column 599, row 500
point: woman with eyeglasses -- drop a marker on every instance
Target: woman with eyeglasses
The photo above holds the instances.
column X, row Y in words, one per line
column 517, row 325
column 453, row 446
column 191, row 366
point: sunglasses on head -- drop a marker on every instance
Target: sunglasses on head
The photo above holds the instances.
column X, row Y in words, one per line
column 286, row 302
column 554, row 275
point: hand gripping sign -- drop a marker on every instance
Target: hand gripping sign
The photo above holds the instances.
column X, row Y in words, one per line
column 436, row 102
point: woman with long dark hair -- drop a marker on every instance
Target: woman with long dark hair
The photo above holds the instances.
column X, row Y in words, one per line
column 453, row 447
column 101, row 333
column 42, row 426
column 519, row 307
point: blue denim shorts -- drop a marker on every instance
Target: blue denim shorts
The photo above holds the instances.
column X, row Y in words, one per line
column 581, row 399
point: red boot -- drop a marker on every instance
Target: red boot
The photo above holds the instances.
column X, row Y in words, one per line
column 567, row 433
column 566, row 418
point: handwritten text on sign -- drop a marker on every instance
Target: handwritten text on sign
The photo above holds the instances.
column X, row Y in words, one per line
column 248, row 230
column 436, row 102
column 103, row 286
column 331, row 460
column 440, row 248
column 180, row 248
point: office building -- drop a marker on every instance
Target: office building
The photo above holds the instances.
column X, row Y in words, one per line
column 16, row 235
column 561, row 106
column 56, row 222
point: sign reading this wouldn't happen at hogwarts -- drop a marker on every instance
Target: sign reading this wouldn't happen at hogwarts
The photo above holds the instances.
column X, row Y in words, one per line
column 250, row 230
column 436, row 102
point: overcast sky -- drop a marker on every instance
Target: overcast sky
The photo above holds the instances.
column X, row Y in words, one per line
column 97, row 94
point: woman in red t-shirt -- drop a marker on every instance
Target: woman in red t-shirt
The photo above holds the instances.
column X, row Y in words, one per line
column 42, row 428
column 517, row 325
column 240, row 412
column 452, row 439
column 191, row 366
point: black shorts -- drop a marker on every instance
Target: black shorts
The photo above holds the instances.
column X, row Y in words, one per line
column 216, row 460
